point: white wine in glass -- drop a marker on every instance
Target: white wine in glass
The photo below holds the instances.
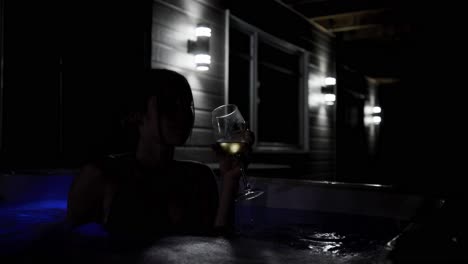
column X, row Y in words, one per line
column 233, row 147
column 230, row 133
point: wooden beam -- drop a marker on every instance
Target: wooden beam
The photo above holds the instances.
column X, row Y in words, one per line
column 332, row 7
column 351, row 14
column 354, row 20
column 379, row 80
column 314, row 24
column 352, row 28
column 322, row 28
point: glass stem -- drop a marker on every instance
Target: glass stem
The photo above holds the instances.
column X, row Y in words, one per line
column 244, row 178
column 243, row 175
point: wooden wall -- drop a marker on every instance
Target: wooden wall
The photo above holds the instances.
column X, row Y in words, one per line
column 321, row 159
column 174, row 23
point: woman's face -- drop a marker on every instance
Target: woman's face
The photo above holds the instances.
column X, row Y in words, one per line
column 167, row 122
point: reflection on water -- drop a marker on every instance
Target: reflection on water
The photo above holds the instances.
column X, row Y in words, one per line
column 327, row 247
column 340, row 245
column 344, row 245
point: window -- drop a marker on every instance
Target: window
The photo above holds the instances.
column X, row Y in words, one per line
column 267, row 82
column 240, row 61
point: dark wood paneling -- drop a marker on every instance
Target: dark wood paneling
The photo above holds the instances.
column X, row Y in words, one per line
column 184, row 60
column 191, row 10
column 166, row 35
column 323, row 57
column 202, row 119
column 321, row 166
column 352, row 143
column 201, row 137
column 204, row 83
column 322, row 155
column 219, row 4
column 173, row 25
column 321, row 144
column 321, row 162
column 198, row 82
column 321, row 43
column 206, row 101
column 321, row 132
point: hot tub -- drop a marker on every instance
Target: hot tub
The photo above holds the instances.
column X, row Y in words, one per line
column 295, row 221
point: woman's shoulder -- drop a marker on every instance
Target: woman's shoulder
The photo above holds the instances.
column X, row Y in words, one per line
column 109, row 165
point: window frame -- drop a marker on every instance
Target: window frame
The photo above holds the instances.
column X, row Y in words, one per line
column 255, row 34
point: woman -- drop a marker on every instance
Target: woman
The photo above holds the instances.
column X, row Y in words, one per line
column 146, row 192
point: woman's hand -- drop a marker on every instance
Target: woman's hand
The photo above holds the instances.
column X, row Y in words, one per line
column 229, row 165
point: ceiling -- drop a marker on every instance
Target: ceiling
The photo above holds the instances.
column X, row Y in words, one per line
column 372, row 36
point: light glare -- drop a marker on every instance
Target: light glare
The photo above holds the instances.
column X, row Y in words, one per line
column 203, row 32
column 330, row 81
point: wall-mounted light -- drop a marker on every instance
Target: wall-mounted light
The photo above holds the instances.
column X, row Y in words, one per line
column 200, row 47
column 328, row 91
column 370, row 110
column 329, row 81
column 376, row 119
column 372, row 115
column 329, row 99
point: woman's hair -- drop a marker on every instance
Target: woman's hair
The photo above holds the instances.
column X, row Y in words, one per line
column 169, row 87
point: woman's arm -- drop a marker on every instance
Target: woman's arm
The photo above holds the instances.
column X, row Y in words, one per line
column 229, row 168
column 215, row 206
column 86, row 197
column 229, row 188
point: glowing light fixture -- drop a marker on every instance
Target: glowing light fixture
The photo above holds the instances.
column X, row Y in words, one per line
column 372, row 115
column 330, row 81
column 369, row 110
column 202, row 31
column 329, row 98
column 376, row 119
column 328, row 91
column 200, row 47
column 203, row 68
column 202, row 59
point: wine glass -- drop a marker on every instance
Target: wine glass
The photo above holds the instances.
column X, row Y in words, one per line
column 231, row 137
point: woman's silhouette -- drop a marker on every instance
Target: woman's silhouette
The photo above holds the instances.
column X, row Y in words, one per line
column 146, row 192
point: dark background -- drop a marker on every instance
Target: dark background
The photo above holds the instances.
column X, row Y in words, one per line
column 67, row 67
